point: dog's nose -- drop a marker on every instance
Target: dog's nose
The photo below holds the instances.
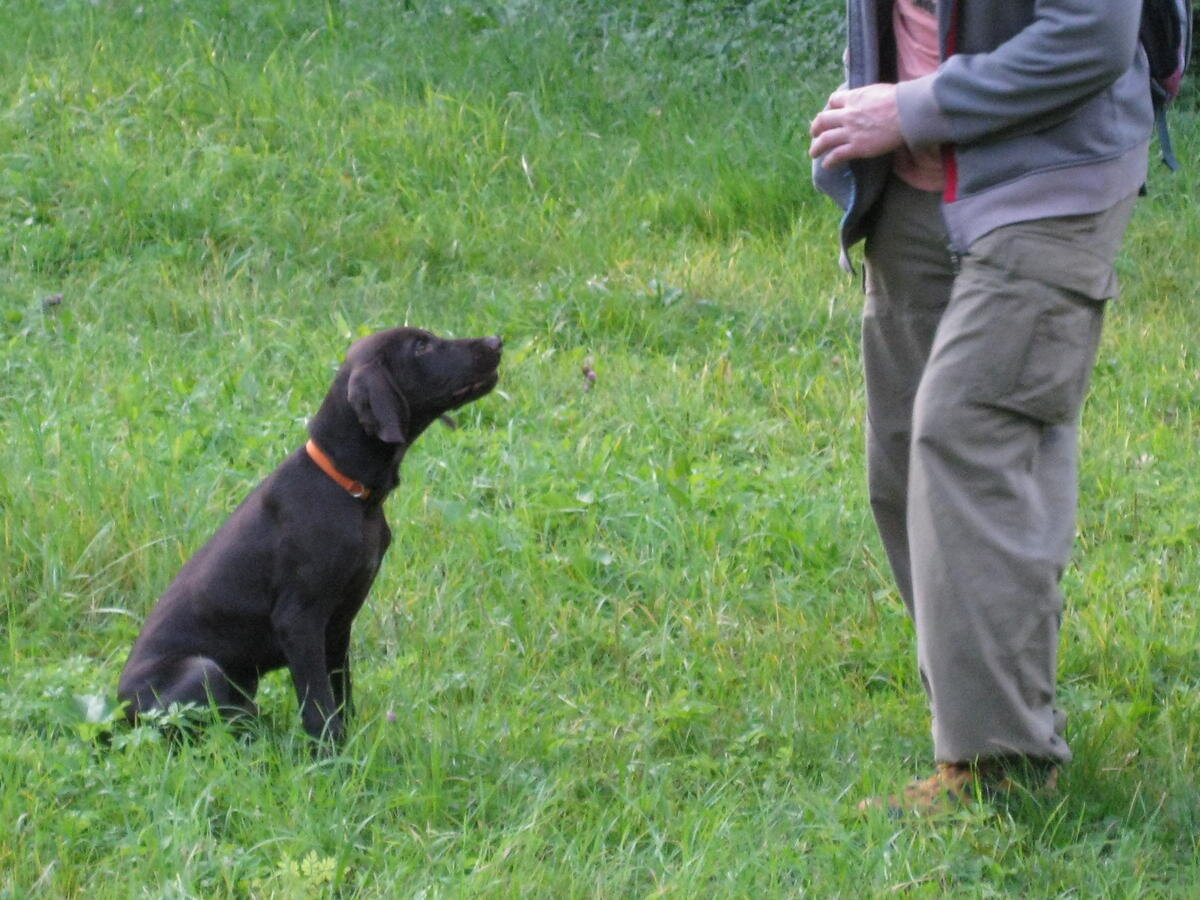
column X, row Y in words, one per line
column 493, row 342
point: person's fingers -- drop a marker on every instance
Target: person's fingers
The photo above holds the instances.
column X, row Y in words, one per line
column 837, row 101
column 855, row 124
column 836, row 157
column 822, row 122
column 826, row 141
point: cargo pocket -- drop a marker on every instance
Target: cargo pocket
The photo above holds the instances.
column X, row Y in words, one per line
column 1063, row 288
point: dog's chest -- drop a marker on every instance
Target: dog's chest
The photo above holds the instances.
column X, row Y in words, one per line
column 376, row 538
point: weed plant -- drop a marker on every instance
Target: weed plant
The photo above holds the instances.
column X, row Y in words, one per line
column 635, row 635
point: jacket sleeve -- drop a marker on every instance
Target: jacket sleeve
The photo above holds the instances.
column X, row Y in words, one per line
column 1070, row 51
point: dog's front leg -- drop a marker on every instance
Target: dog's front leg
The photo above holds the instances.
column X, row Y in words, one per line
column 338, row 655
column 303, row 644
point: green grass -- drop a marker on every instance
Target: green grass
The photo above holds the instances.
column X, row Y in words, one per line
column 630, row 641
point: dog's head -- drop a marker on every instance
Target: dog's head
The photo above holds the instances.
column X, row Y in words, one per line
column 401, row 380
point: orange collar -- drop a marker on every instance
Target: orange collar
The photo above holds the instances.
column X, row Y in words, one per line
column 356, row 489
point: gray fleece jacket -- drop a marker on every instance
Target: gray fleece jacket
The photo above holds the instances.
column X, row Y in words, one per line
column 1040, row 107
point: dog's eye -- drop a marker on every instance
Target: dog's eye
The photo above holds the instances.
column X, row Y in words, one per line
column 420, row 345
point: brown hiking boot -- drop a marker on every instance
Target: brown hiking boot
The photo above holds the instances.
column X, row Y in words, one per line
column 956, row 785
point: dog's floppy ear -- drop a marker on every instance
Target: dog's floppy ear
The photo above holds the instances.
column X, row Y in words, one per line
column 378, row 403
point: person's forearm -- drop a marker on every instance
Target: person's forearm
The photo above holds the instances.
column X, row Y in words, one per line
column 1073, row 50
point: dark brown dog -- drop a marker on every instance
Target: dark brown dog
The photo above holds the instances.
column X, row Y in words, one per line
column 282, row 579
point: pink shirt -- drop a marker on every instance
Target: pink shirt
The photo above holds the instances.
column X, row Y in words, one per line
column 917, row 54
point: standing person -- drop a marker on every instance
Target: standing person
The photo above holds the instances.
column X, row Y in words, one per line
column 989, row 152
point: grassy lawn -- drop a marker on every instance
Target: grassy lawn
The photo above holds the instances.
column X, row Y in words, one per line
column 634, row 637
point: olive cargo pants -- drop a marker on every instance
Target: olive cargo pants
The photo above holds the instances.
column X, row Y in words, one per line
column 975, row 380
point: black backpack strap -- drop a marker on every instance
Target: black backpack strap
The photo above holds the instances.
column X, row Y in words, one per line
column 1164, row 139
column 1165, row 147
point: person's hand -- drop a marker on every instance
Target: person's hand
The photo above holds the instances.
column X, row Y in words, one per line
column 857, row 124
